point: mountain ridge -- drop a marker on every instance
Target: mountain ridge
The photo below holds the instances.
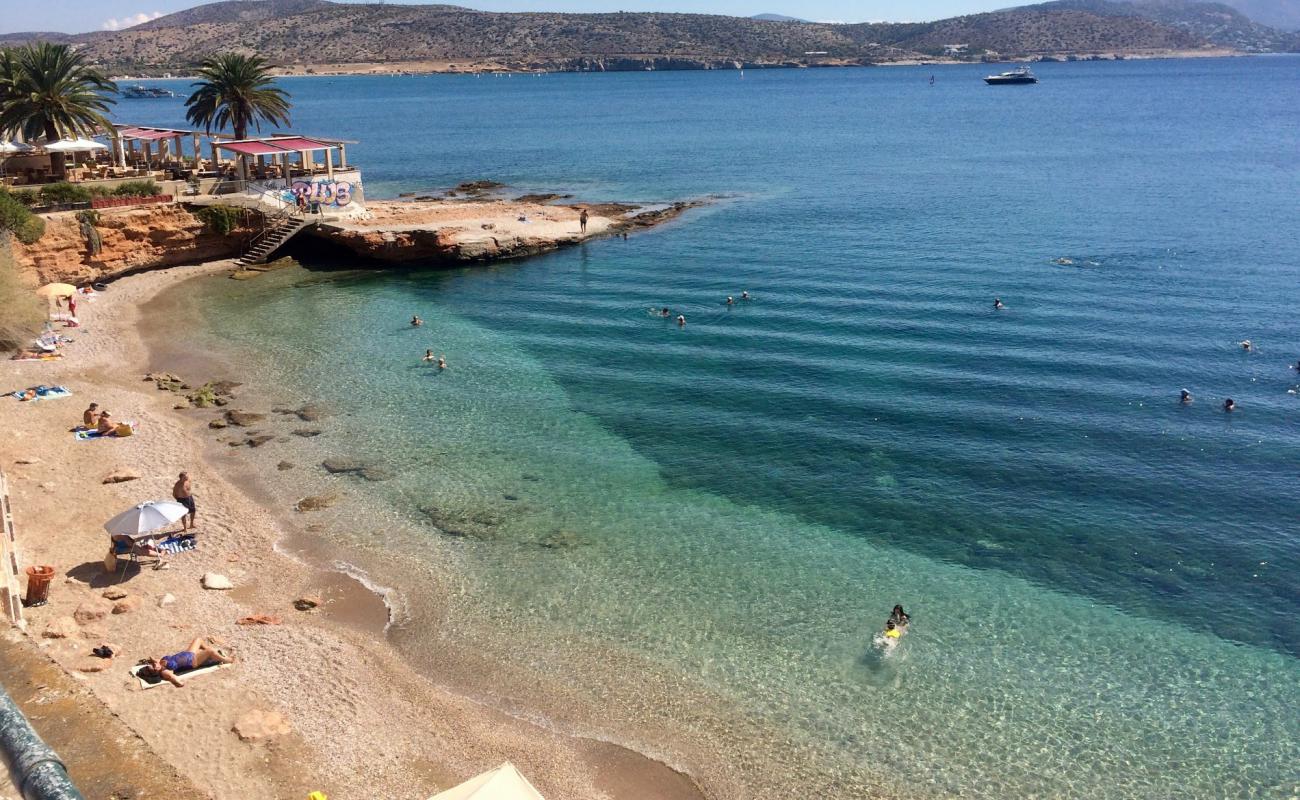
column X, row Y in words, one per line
column 300, row 33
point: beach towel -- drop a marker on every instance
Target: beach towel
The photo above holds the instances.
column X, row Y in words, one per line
column 43, row 393
column 36, row 357
column 179, row 543
column 86, row 436
column 146, row 683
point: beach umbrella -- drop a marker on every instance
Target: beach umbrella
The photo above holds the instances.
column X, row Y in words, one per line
column 145, row 518
column 74, row 146
column 57, row 290
column 502, row 783
column 8, row 148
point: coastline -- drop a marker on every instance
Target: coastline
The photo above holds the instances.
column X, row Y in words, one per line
column 324, row 672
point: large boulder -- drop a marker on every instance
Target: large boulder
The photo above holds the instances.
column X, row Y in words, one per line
column 260, row 724
column 92, row 611
column 121, row 476
column 243, row 419
column 212, row 580
column 61, row 628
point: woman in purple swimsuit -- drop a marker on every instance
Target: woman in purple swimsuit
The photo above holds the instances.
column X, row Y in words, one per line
column 199, row 654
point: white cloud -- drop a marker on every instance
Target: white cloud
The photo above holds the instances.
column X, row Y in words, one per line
column 128, row 21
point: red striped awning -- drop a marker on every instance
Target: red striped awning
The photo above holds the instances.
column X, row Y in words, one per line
column 254, row 148
column 147, row 134
column 299, row 143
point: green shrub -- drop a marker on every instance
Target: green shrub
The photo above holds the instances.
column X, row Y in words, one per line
column 220, row 219
column 28, row 197
column 21, row 310
column 60, row 193
column 15, row 218
column 137, row 189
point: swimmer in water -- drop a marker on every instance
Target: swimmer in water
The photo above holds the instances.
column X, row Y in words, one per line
column 442, row 362
column 997, row 304
column 892, row 632
column 1184, row 396
column 416, row 322
column 665, row 313
column 1229, row 405
column 1247, row 345
column 744, row 295
column 681, row 321
column 899, row 617
column 731, row 301
column 428, row 355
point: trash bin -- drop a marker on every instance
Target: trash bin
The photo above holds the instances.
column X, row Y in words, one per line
column 38, row 585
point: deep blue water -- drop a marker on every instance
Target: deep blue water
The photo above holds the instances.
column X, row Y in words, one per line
column 869, row 405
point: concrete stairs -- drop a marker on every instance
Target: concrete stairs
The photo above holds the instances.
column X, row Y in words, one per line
column 280, row 231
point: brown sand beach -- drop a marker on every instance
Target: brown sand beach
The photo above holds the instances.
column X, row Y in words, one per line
column 319, row 701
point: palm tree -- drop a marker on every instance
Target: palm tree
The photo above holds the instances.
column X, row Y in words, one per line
column 236, row 91
column 48, row 90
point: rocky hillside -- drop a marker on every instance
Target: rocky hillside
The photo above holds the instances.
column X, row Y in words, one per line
column 1218, row 23
column 303, row 32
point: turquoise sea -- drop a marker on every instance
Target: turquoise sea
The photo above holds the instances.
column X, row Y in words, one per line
column 685, row 539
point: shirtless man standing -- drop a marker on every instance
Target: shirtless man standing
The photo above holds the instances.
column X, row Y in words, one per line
column 183, row 491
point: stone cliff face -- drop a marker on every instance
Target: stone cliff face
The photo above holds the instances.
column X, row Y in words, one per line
column 133, row 239
column 433, row 246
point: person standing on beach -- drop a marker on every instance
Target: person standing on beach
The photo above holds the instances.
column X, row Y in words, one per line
column 183, row 491
column 582, row 221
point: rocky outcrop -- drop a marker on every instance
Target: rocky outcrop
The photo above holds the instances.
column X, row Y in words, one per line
column 132, row 239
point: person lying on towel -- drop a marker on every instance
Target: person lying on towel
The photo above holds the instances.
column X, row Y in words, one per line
column 199, row 654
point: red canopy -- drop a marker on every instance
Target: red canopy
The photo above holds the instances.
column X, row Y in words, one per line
column 254, row 148
column 300, row 143
column 148, row 134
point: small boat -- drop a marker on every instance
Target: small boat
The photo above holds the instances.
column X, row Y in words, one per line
column 138, row 92
column 1022, row 75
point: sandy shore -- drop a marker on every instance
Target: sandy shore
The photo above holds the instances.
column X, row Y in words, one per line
column 359, row 722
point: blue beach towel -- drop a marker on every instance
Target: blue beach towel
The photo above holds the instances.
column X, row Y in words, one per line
column 179, row 543
column 44, row 392
column 89, row 435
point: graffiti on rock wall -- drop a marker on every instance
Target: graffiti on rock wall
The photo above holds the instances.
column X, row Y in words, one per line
column 326, row 193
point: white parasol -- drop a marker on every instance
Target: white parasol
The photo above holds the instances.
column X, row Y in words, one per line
column 74, row 146
column 145, row 518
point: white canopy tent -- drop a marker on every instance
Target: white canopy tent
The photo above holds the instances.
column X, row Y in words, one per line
column 502, row 783
column 77, row 145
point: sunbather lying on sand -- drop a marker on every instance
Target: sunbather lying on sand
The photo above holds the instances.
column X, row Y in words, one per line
column 199, row 654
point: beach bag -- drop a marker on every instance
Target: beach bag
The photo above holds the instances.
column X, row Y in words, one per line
column 123, row 429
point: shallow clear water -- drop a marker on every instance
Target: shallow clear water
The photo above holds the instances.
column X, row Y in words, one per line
column 1103, row 581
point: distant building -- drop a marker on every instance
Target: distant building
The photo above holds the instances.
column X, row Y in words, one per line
column 955, row 49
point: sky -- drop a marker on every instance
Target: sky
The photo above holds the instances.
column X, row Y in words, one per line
column 79, row 16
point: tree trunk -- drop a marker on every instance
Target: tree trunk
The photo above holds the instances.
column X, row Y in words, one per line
column 58, row 163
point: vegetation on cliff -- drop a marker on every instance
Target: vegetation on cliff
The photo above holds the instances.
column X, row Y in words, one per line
column 21, row 310
column 17, row 221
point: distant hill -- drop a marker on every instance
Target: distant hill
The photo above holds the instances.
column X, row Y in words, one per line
column 1281, row 14
column 299, row 33
column 1215, row 22
column 777, row 18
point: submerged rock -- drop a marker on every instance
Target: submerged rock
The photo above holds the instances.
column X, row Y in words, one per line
column 316, row 502
column 561, row 540
column 243, row 419
column 307, row 433
column 342, row 466
column 311, row 413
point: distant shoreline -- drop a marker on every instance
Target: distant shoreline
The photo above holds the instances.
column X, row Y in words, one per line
column 410, row 68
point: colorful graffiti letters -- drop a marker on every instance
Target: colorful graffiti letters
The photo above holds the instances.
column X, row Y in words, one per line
column 326, row 193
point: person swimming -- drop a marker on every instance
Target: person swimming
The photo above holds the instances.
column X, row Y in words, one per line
column 997, row 304
column 1247, row 345
column 899, row 617
column 416, row 322
column 1229, row 405
column 731, row 301
column 1184, row 396
column 665, row 313
column 892, row 632
column 744, row 295
column 428, row 356
column 681, row 321
column 442, row 362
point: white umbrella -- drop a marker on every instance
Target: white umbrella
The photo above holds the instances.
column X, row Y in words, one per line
column 502, row 783
column 8, row 148
column 145, row 518
column 74, row 146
